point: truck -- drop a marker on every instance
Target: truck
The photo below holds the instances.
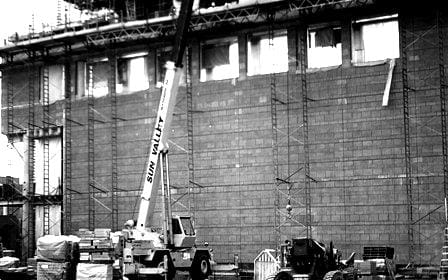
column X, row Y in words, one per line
column 150, row 254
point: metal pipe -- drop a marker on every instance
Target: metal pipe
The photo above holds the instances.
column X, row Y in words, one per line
column 72, row 34
column 446, row 211
column 130, row 24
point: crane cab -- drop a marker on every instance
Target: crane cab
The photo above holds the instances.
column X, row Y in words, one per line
column 184, row 235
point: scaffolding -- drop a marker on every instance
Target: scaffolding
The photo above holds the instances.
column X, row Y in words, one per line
column 113, row 140
column 190, row 131
column 292, row 198
column 90, row 148
column 442, row 90
column 306, row 157
column 275, row 163
column 407, row 140
column 131, row 9
column 105, row 35
column 417, row 122
column 10, row 108
column 29, row 230
column 46, row 146
column 67, row 140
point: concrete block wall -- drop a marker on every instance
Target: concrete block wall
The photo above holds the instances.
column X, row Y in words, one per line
column 356, row 155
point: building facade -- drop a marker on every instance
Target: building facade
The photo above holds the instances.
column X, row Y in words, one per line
column 294, row 118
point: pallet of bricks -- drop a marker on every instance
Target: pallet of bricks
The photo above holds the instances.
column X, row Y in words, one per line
column 56, row 257
column 377, row 264
column 96, row 255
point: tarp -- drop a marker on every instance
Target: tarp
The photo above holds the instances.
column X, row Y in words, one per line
column 7, row 262
column 55, row 248
column 92, row 271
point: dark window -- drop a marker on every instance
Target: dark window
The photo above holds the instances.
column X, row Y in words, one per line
column 176, row 227
column 215, row 55
column 219, row 59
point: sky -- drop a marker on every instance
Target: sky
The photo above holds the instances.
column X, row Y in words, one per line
column 17, row 16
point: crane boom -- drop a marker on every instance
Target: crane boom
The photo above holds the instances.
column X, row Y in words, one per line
column 164, row 116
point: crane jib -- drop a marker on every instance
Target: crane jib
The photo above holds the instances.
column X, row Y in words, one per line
column 154, row 150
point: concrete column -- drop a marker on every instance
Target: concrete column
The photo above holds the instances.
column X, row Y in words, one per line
column 242, row 56
column 346, row 34
column 151, row 67
column 292, row 49
column 302, row 46
column 195, row 61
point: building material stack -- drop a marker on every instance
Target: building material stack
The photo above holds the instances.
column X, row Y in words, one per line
column 56, row 258
column 96, row 255
column 377, row 264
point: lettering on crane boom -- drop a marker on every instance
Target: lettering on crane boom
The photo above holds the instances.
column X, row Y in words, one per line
column 154, row 150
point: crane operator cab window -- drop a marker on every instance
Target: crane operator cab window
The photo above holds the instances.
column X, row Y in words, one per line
column 184, row 235
column 182, row 225
column 176, row 227
column 187, row 225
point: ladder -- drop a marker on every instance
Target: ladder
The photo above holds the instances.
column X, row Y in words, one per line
column 131, row 10
column 443, row 274
column 46, row 148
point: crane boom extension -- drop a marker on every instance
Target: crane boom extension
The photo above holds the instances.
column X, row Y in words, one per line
column 164, row 116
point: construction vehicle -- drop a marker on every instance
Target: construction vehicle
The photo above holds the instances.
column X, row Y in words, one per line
column 147, row 253
column 308, row 259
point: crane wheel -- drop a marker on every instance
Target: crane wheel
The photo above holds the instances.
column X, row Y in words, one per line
column 200, row 268
column 159, row 262
column 283, row 275
column 334, row 275
column 351, row 273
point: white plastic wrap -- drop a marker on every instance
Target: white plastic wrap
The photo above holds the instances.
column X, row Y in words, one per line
column 91, row 271
column 7, row 262
column 55, row 248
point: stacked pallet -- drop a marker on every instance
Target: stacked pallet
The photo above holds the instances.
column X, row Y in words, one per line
column 377, row 264
column 96, row 246
column 56, row 258
column 96, row 254
column 379, row 252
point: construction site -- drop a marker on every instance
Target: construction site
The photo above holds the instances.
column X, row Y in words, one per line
column 291, row 126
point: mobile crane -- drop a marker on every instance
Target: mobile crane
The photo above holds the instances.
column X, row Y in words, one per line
column 150, row 254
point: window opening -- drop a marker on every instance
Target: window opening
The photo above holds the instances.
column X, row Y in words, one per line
column 176, row 226
column 215, row 3
column 164, row 55
column 265, row 58
column 375, row 39
column 55, row 171
column 56, row 82
column 100, row 70
column 219, row 60
column 132, row 73
column 187, row 225
column 324, row 47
